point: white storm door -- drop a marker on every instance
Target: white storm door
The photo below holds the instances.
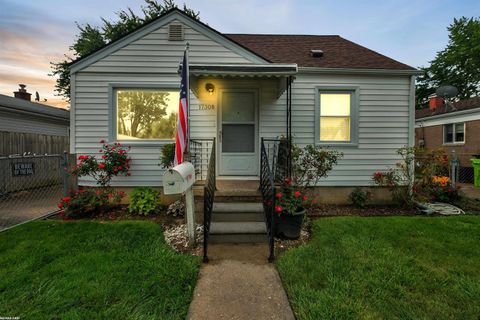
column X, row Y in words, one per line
column 238, row 133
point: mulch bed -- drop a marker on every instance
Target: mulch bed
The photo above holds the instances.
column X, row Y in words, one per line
column 337, row 210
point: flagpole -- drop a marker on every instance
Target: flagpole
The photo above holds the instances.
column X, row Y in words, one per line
column 188, row 98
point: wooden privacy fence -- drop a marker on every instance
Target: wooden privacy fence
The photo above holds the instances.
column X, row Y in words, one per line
column 19, row 143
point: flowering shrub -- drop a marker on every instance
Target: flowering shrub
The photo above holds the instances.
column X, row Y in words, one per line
column 290, row 199
column 115, row 161
column 86, row 202
column 442, row 191
column 416, row 170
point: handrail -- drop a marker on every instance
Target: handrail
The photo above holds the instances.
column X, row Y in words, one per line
column 267, row 188
column 208, row 198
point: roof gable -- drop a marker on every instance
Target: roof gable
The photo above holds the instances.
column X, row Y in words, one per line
column 162, row 21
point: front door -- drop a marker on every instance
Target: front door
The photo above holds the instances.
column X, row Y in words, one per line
column 238, row 133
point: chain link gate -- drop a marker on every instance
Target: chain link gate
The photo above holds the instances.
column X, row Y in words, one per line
column 31, row 186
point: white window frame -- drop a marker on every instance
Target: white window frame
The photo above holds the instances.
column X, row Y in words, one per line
column 354, row 106
column 112, row 90
column 454, row 142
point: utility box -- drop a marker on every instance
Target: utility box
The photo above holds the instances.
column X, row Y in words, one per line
column 178, row 179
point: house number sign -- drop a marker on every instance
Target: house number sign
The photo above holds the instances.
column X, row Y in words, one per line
column 23, row 169
column 206, row 107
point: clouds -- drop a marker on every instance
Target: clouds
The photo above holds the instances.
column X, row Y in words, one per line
column 34, row 33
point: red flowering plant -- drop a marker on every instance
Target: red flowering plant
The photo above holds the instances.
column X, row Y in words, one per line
column 291, row 199
column 86, row 202
column 115, row 161
column 443, row 191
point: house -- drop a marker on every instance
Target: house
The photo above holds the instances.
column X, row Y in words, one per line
column 30, row 127
column 325, row 90
column 454, row 127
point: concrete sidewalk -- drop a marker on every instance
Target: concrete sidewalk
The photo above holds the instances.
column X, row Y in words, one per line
column 238, row 283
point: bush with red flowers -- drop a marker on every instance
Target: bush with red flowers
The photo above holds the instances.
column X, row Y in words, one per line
column 115, row 161
column 88, row 202
column 290, row 199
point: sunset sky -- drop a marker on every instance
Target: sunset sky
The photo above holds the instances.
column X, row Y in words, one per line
column 35, row 32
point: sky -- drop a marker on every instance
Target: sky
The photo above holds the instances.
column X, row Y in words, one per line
column 34, row 33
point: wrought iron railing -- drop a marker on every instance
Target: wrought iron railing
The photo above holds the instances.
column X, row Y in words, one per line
column 268, row 154
column 208, row 198
column 199, row 154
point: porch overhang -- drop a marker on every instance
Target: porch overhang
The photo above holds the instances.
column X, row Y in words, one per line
column 282, row 74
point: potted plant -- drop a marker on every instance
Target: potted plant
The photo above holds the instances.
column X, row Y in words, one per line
column 289, row 209
column 309, row 165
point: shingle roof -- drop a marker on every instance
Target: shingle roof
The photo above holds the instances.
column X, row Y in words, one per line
column 470, row 103
column 337, row 51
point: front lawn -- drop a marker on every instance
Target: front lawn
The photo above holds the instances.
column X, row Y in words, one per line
column 386, row 268
column 93, row 270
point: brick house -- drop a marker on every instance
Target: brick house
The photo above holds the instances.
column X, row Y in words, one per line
column 455, row 128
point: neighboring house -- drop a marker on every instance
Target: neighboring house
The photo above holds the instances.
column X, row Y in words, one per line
column 455, row 128
column 28, row 127
column 343, row 96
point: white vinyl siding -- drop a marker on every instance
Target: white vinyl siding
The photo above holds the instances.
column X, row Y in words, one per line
column 383, row 107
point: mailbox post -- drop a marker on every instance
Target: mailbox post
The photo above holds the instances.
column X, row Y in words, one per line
column 179, row 180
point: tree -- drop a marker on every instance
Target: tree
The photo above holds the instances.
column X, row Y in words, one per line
column 91, row 38
column 458, row 64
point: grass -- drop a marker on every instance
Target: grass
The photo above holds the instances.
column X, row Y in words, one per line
column 386, row 268
column 93, row 270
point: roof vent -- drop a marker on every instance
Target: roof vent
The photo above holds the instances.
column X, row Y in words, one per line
column 175, row 32
column 316, row 53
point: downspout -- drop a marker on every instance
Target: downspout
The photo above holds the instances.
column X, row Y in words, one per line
column 411, row 133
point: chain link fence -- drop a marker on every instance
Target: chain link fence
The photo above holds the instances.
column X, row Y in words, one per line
column 461, row 168
column 31, row 186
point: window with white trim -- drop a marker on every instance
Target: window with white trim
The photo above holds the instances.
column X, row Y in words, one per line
column 454, row 133
column 146, row 114
column 335, row 120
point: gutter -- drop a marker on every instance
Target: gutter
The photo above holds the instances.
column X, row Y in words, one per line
column 448, row 114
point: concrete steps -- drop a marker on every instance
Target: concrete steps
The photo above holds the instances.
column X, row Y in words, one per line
column 237, row 222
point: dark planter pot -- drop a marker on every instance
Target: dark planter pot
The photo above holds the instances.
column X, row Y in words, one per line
column 289, row 226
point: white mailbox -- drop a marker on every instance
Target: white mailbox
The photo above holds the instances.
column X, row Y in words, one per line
column 179, row 178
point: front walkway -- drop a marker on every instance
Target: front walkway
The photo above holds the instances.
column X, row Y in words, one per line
column 238, row 283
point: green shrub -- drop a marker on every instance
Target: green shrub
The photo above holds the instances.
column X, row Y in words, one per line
column 359, row 197
column 144, row 200
column 168, row 155
column 88, row 202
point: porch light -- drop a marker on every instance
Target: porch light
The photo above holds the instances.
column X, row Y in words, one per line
column 210, row 88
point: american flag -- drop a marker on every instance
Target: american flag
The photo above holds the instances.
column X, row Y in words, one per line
column 181, row 135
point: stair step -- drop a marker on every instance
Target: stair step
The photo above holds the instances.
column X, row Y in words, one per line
column 236, row 228
column 238, row 238
column 238, row 216
column 240, row 207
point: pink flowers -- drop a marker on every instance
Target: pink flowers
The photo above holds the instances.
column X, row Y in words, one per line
column 297, row 194
column 101, row 166
column 82, row 157
column 278, row 209
column 305, row 198
column 377, row 174
column 278, row 195
column 104, row 157
column 66, row 199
